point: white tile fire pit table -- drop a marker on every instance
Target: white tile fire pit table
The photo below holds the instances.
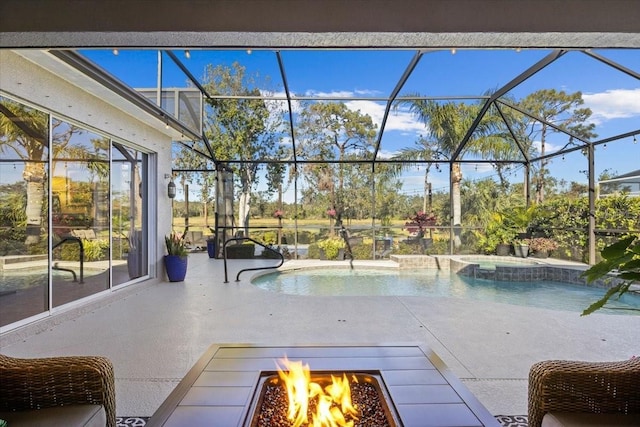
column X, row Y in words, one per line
column 220, row 388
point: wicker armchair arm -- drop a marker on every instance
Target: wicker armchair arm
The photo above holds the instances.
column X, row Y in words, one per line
column 572, row 386
column 56, row 381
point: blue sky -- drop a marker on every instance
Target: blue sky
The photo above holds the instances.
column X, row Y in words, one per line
column 613, row 96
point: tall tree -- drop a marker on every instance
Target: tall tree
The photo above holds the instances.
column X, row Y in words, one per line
column 424, row 149
column 24, row 136
column 186, row 158
column 244, row 128
column 560, row 109
column 332, row 131
column 447, row 124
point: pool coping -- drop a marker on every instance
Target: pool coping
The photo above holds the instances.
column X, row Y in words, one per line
column 526, row 270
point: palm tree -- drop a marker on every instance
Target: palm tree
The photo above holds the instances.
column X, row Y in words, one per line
column 448, row 124
column 24, row 134
column 423, row 151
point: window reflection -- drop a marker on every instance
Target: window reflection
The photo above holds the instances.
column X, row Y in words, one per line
column 128, row 190
column 24, row 136
column 80, row 212
column 93, row 193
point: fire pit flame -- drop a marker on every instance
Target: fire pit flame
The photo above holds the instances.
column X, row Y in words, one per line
column 333, row 402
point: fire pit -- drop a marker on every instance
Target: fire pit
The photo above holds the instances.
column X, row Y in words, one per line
column 397, row 385
column 369, row 397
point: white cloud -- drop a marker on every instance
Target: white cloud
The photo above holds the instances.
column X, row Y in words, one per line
column 613, row 104
column 398, row 120
column 549, row 147
column 386, row 154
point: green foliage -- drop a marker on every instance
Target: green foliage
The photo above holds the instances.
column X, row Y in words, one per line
column 567, row 220
column 439, row 247
column 94, row 250
column 304, row 237
column 175, row 245
column 244, row 129
column 405, row 248
column 271, row 253
column 244, row 251
column 497, row 231
column 313, row 252
column 331, row 246
column 519, row 218
column 623, row 258
column 332, row 131
column 362, row 251
column 268, row 237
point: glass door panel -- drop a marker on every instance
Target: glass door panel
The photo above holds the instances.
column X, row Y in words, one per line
column 80, row 212
column 129, row 238
column 24, row 170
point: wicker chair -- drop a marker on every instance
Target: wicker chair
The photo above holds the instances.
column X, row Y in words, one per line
column 57, row 381
column 583, row 387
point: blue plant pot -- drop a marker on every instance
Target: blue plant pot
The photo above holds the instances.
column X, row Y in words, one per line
column 176, row 267
column 211, row 249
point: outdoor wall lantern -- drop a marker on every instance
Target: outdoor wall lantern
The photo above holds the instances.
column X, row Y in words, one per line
column 171, row 188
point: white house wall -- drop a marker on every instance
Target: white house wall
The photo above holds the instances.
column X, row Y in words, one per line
column 34, row 85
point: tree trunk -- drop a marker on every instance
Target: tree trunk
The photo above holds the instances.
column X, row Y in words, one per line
column 205, row 207
column 34, row 175
column 543, row 163
column 244, row 209
column 456, row 178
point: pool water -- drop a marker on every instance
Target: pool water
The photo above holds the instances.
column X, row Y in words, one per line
column 436, row 283
column 12, row 280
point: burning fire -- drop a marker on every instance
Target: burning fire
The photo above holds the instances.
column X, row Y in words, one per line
column 333, row 402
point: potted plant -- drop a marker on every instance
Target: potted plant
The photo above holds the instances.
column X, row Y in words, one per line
column 541, row 246
column 211, row 246
column 175, row 262
column 497, row 236
column 521, row 247
column 333, row 248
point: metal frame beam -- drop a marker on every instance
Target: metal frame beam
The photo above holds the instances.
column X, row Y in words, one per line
column 502, row 91
column 88, row 68
column 394, row 93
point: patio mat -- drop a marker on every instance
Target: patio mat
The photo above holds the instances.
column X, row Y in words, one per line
column 504, row 420
column 131, row 421
column 512, row 420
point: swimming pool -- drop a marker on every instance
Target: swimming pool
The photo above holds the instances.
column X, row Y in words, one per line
column 12, row 280
column 437, row 283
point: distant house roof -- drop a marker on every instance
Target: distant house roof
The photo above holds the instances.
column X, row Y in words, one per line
column 628, row 183
column 633, row 174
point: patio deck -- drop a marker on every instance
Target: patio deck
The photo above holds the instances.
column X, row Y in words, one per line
column 155, row 331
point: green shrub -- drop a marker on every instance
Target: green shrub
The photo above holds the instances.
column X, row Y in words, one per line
column 362, row 251
column 94, row 250
column 332, row 246
column 438, row 247
column 409, row 249
column 243, row 251
column 272, row 253
column 314, row 251
column 304, row 237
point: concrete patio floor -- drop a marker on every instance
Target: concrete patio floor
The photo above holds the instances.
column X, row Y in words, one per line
column 155, row 331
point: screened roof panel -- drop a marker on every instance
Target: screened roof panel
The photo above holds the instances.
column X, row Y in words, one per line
column 344, row 73
column 366, row 80
column 468, row 72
